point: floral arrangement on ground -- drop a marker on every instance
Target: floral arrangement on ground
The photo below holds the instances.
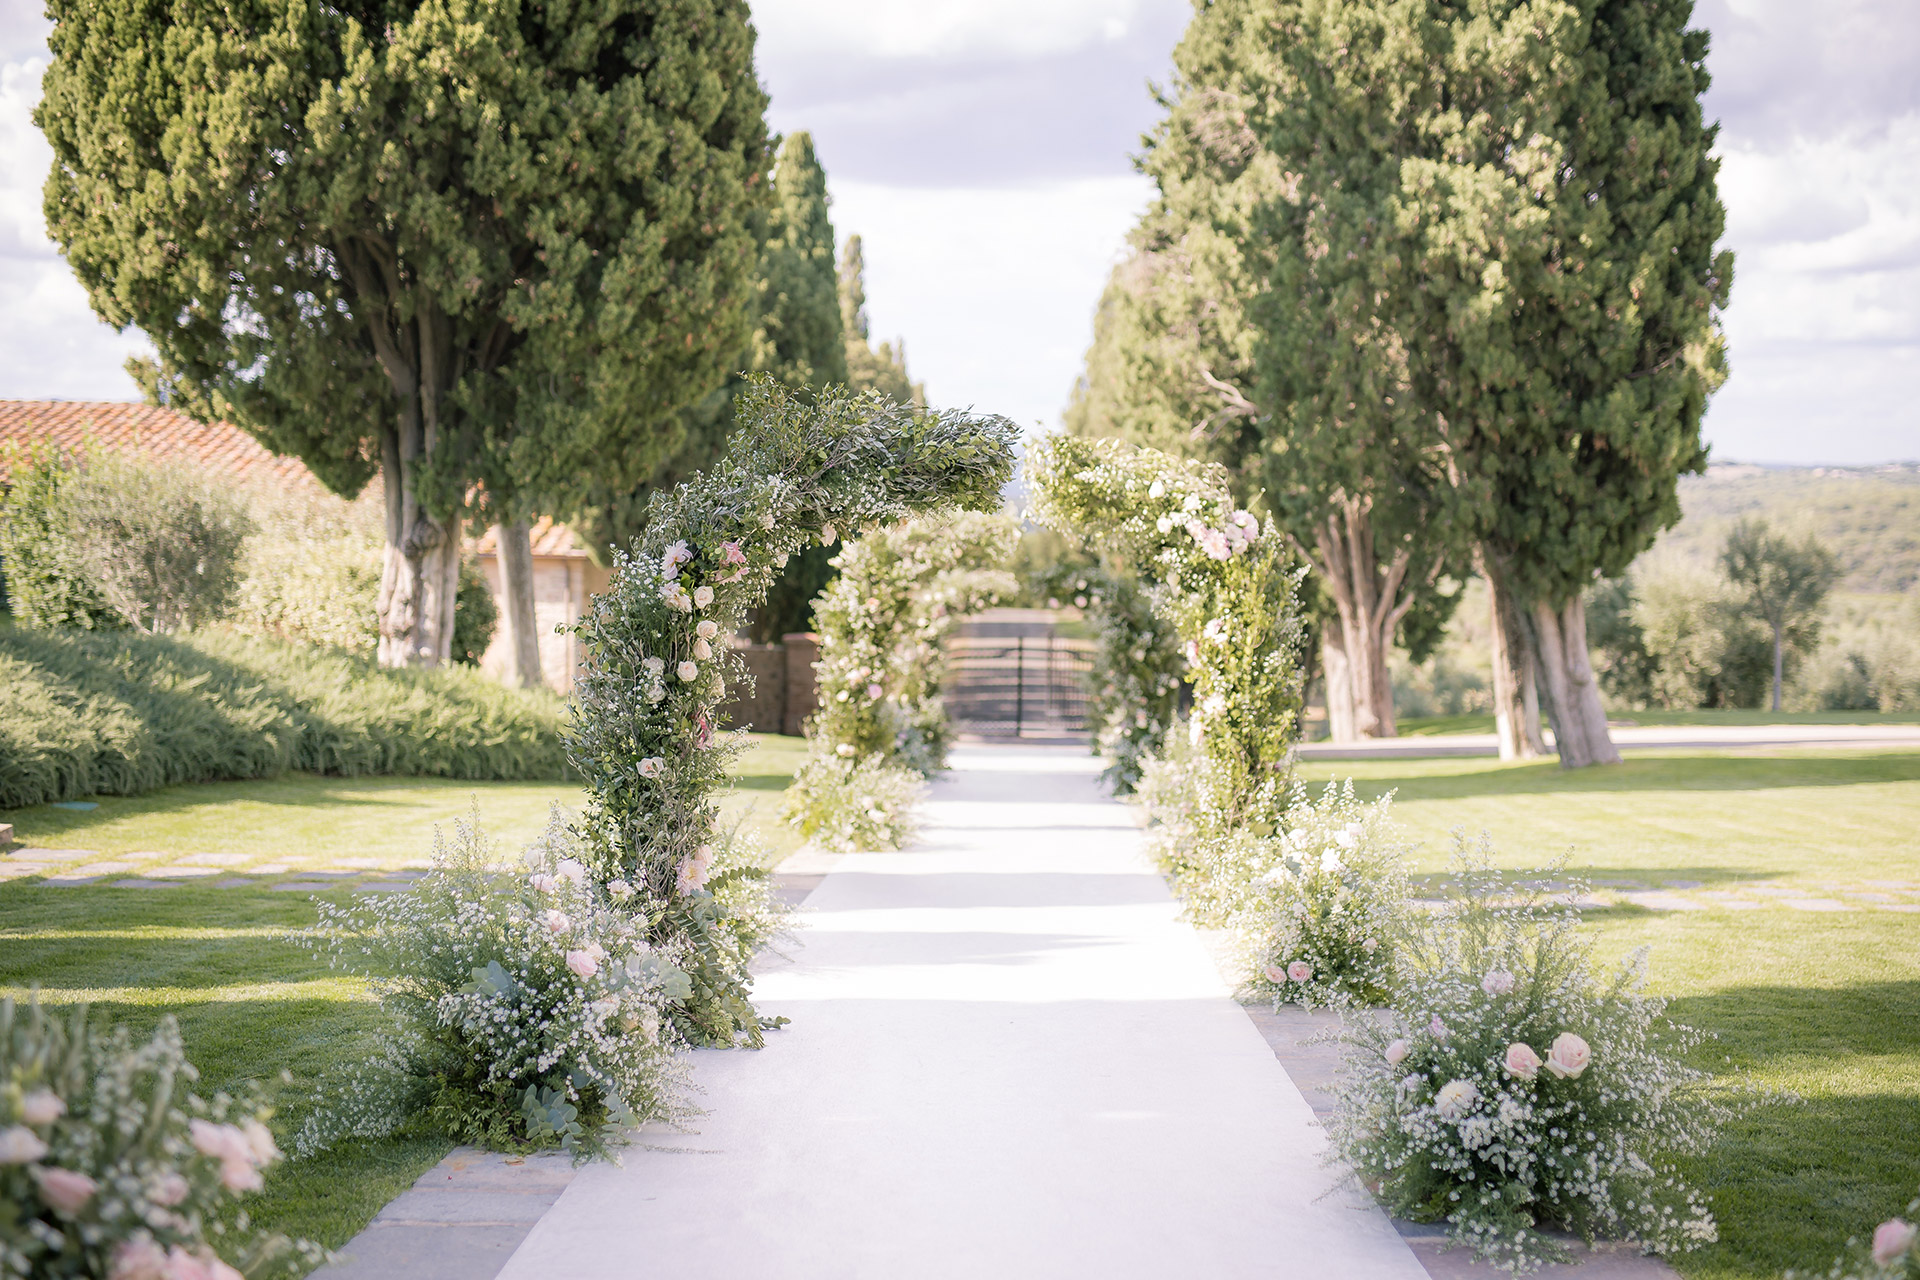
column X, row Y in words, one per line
column 1512, row 1090
column 112, row 1166
column 524, row 1010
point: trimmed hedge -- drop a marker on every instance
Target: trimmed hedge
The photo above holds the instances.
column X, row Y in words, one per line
column 116, row 713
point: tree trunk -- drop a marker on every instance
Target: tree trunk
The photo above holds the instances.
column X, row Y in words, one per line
column 1369, row 600
column 1339, row 683
column 1516, row 697
column 516, row 614
column 1579, row 719
column 1779, row 664
column 421, row 574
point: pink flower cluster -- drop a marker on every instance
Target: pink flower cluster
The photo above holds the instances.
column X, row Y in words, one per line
column 693, row 872
column 1240, row 532
column 141, row 1258
column 242, row 1150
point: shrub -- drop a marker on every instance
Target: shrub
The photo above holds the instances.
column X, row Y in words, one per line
column 117, row 714
column 1331, row 906
column 111, row 1165
column 1512, row 1090
column 475, row 615
column 525, row 1011
column 855, row 802
column 311, row 571
column 159, row 540
column 46, row 585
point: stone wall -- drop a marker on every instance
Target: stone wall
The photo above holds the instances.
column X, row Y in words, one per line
column 782, row 694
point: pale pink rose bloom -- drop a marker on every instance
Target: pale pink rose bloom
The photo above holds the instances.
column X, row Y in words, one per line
column 582, row 964
column 1300, row 971
column 707, row 629
column 702, row 650
column 543, row 883
column 1568, row 1055
column 652, row 767
column 1275, row 973
column 702, row 597
column 828, row 535
column 240, row 1175
column 1397, row 1053
column 41, row 1108
column 874, row 691
column 169, row 1190
column 572, row 869
column 65, row 1190
column 1498, row 982
column 556, row 921
column 687, row 671
column 222, row 1141
column 1522, row 1061
column 20, row 1145
column 139, row 1258
column 597, row 952
column 1370, row 945
column 260, row 1145
column 693, row 874
column 1437, row 1029
column 1456, row 1098
column 1891, row 1239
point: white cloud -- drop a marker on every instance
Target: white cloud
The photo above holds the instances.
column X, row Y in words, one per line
column 892, row 29
column 992, row 290
column 51, row 343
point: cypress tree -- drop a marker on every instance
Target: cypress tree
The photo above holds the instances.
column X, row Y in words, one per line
column 871, row 368
column 491, row 249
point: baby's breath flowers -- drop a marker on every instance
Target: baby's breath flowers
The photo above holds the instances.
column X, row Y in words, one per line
column 526, row 1011
column 1512, row 1090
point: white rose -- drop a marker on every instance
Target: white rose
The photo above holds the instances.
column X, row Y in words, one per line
column 1456, row 1099
column 828, row 535
column 688, row 671
column 702, row 650
column 702, row 597
column 707, row 629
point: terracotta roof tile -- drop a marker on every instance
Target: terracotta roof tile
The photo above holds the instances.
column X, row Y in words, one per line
column 220, row 448
column 548, row 539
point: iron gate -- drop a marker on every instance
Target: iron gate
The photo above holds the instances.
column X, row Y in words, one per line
column 1010, row 686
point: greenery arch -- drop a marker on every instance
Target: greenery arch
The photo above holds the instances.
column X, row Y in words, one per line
column 882, row 724
column 1226, row 584
column 646, row 736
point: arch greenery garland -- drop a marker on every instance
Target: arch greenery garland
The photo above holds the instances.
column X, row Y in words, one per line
column 1226, row 584
column 645, row 734
column 882, row 724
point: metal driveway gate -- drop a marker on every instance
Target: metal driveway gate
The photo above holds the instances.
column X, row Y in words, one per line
column 1009, row 686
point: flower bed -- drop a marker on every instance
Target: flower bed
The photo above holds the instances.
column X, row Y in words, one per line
column 110, row 1164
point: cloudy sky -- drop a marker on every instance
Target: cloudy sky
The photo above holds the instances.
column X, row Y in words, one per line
column 982, row 149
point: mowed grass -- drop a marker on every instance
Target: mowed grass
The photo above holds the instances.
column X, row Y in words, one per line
column 1825, row 1005
column 250, row 1003
column 1425, row 726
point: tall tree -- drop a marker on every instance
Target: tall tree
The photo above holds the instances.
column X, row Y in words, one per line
column 870, row 368
column 1563, row 211
column 489, row 250
column 1784, row 580
column 1258, row 321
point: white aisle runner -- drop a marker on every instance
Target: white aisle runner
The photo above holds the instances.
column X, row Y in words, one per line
column 1007, row 1059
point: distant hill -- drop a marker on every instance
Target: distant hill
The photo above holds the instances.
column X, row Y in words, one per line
column 1870, row 516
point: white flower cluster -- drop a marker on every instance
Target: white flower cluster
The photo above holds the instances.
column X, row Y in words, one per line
column 110, row 1167
column 1453, row 1109
column 523, row 1003
column 1328, row 902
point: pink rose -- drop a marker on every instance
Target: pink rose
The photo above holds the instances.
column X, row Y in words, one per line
column 1891, row 1239
column 1522, row 1061
column 543, row 883
column 1498, row 982
column 1275, row 974
column 1568, row 1056
column 41, row 1108
column 20, row 1145
column 240, row 1176
column 260, row 1145
column 66, row 1191
column 556, row 921
column 1300, row 971
column 169, row 1190
column 1397, row 1053
column 874, row 691
column 138, row 1258
column 582, row 964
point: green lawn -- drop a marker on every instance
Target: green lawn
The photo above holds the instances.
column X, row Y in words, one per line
column 250, row 1004
column 1424, row 726
column 1823, row 1001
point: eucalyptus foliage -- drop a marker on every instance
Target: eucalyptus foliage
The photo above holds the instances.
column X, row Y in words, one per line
column 646, row 735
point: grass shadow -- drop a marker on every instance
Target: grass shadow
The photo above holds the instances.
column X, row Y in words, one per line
column 1458, row 779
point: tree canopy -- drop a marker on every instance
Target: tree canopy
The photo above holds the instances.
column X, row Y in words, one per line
column 487, row 251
